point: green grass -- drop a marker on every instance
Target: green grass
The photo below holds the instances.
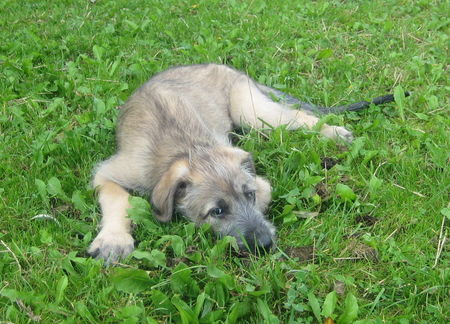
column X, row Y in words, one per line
column 66, row 65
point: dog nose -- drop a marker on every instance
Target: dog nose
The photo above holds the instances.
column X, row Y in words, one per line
column 266, row 244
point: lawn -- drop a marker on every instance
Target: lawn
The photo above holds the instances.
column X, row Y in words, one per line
column 362, row 228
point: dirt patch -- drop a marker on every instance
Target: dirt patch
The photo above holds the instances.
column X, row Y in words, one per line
column 303, row 253
column 366, row 220
column 323, row 191
column 339, row 287
column 171, row 262
column 329, row 162
column 356, row 250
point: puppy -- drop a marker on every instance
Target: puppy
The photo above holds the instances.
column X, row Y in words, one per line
column 173, row 145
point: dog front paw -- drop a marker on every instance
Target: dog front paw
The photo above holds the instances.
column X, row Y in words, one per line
column 111, row 246
column 337, row 132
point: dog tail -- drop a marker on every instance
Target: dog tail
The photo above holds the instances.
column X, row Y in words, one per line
column 359, row 105
column 280, row 96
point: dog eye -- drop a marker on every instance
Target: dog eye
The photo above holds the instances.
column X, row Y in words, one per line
column 216, row 212
column 250, row 195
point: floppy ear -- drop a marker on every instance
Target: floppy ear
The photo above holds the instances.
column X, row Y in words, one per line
column 248, row 164
column 172, row 183
column 238, row 156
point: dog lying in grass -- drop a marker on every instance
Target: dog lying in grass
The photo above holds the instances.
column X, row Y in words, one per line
column 173, row 144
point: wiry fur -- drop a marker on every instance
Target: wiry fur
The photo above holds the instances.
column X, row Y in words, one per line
column 173, row 145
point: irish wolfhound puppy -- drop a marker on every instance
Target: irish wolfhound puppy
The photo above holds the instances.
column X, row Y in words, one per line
column 173, row 144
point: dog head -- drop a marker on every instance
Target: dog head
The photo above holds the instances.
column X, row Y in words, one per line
column 218, row 186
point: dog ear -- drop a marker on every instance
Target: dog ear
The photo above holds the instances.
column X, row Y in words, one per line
column 172, row 184
column 248, row 164
column 240, row 158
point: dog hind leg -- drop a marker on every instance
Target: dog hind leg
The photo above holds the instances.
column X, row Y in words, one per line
column 249, row 106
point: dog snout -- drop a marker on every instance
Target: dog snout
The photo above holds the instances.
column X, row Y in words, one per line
column 253, row 232
column 266, row 243
column 257, row 238
column 259, row 243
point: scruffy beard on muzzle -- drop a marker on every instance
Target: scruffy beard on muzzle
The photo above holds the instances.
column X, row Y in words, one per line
column 252, row 231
